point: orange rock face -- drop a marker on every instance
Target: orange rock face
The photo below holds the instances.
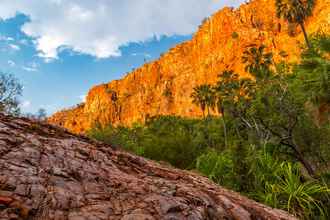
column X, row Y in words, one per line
column 163, row 87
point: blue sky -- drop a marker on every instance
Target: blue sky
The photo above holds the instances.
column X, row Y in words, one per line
column 60, row 49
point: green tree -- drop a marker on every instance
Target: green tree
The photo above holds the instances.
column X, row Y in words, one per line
column 10, row 90
column 276, row 112
column 257, row 61
column 233, row 98
column 314, row 70
column 227, row 93
column 295, row 11
column 204, row 97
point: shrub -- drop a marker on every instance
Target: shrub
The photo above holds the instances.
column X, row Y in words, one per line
column 218, row 167
column 300, row 198
column 281, row 185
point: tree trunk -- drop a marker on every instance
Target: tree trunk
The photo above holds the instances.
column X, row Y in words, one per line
column 305, row 34
column 224, row 126
column 48, row 173
column 306, row 164
column 300, row 157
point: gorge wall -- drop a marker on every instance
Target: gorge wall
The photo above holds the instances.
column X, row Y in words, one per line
column 163, row 87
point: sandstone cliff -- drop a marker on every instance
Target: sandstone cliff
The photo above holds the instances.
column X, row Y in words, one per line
column 50, row 174
column 163, row 87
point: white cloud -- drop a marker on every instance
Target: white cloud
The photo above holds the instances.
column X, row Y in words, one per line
column 82, row 98
column 4, row 38
column 31, row 67
column 101, row 27
column 24, row 42
column 11, row 63
column 146, row 55
column 25, row 104
column 14, row 47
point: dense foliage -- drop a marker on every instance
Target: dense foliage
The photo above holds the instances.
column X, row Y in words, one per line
column 271, row 141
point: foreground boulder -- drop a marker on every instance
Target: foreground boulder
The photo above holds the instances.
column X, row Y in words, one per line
column 48, row 173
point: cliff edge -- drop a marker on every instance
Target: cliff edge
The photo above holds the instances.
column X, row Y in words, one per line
column 163, row 87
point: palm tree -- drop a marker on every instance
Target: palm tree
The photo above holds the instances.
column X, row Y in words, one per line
column 225, row 90
column 295, row 11
column 257, row 61
column 231, row 91
column 204, row 97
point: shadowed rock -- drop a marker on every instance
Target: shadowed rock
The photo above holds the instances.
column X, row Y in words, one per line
column 48, row 173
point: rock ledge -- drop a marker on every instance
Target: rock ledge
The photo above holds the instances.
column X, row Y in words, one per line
column 49, row 173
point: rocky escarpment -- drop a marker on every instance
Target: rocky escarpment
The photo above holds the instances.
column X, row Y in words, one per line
column 48, row 173
column 163, row 87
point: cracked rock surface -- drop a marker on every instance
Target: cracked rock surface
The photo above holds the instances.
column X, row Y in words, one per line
column 49, row 173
